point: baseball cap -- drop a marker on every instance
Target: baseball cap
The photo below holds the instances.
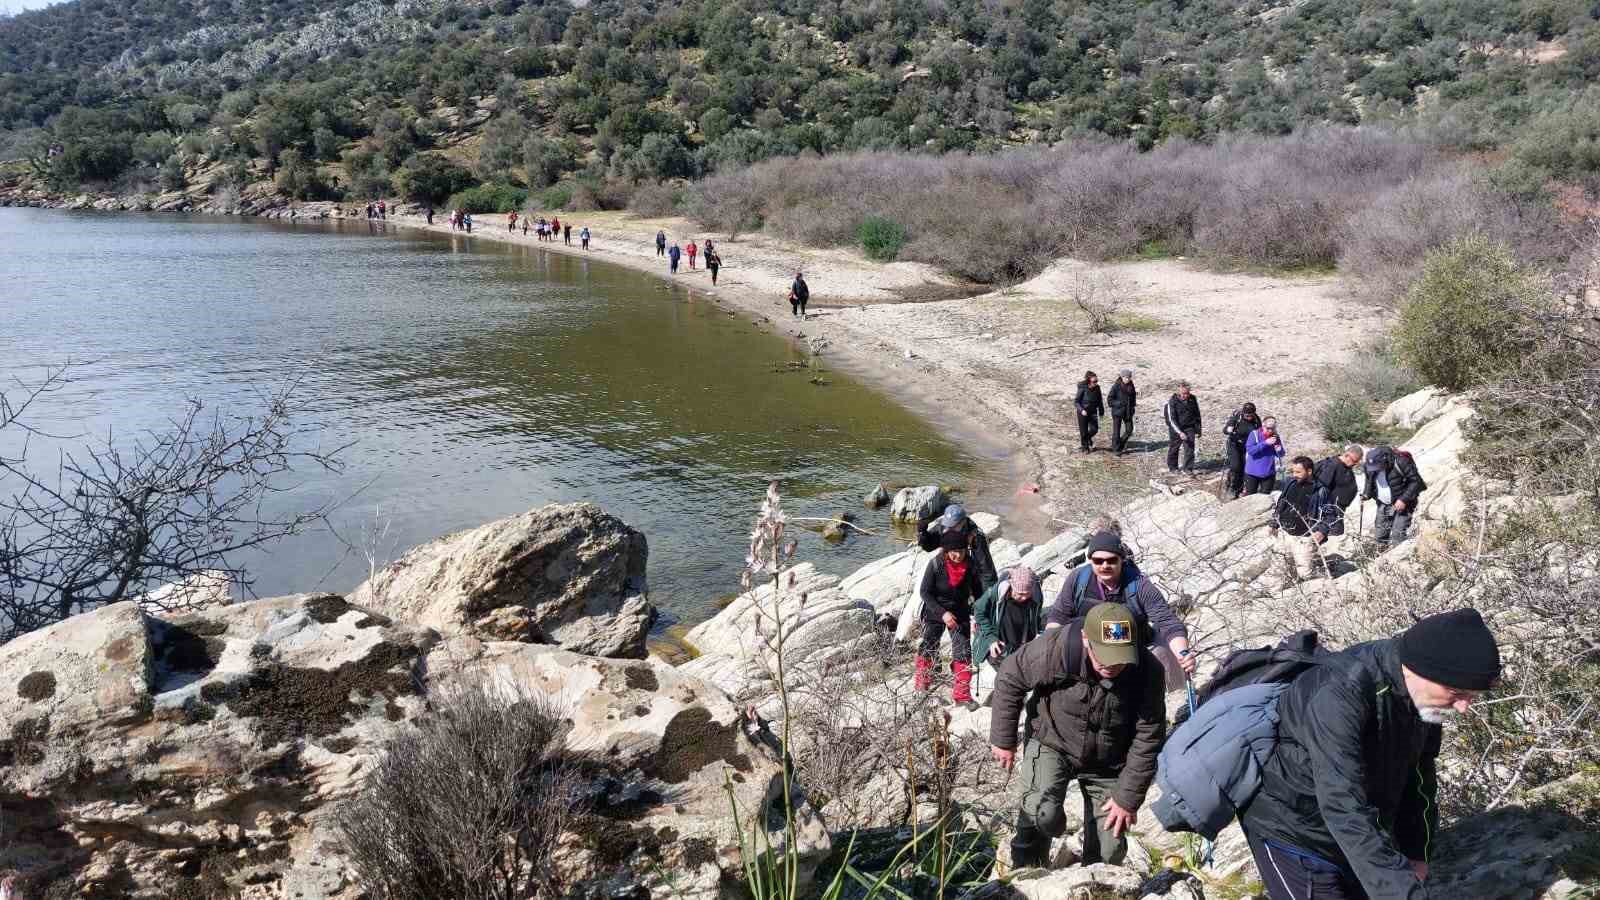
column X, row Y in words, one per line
column 1377, row 460
column 1110, row 629
column 953, row 514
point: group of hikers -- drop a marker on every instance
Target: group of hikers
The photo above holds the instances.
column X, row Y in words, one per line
column 1346, row 805
column 548, row 229
column 691, row 251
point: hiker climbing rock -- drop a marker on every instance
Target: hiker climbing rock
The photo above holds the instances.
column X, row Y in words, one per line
column 1393, row 481
column 1107, row 576
column 1007, row 616
column 955, row 519
column 950, row 585
column 1236, row 433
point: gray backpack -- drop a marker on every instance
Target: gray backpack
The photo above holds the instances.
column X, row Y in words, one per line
column 1210, row 768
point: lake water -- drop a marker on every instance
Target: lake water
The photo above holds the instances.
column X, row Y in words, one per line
column 474, row 380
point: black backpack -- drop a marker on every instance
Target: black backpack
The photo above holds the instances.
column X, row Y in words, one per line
column 1262, row 665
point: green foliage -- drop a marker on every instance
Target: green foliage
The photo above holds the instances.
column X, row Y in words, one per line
column 431, row 179
column 1346, row 419
column 1564, row 141
column 1458, row 326
column 490, row 198
column 298, row 178
column 557, row 196
column 881, row 239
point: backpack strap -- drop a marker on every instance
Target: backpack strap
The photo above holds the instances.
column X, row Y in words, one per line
column 1074, row 639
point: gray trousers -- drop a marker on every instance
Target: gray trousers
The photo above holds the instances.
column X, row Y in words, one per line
column 1046, row 775
column 1391, row 527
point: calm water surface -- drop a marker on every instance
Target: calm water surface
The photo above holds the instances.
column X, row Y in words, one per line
column 474, row 380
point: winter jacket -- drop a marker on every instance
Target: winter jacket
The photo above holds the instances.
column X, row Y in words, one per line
column 977, row 548
column 1353, row 778
column 1339, row 484
column 1182, row 415
column 1261, row 455
column 940, row 597
column 1124, row 397
column 1089, row 400
column 1405, row 482
column 1156, row 621
column 1239, row 427
column 674, row 252
column 1298, row 511
column 800, row 290
column 987, row 616
column 1097, row 728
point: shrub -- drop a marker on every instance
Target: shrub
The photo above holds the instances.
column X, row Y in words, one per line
column 557, row 196
column 656, row 199
column 1347, row 419
column 430, row 178
column 881, row 239
column 490, row 198
column 467, row 804
column 1375, row 374
column 1459, row 324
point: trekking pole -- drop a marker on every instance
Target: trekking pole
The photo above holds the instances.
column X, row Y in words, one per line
column 1205, row 843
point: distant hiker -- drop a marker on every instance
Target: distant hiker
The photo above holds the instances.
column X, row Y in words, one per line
column 584, row 237
column 1263, row 447
column 672, row 258
column 1108, row 576
column 1336, row 480
column 1237, row 432
column 566, row 233
column 1348, row 806
column 692, row 249
column 709, row 248
column 950, row 585
column 511, row 223
column 1393, row 481
column 524, row 226
column 1098, row 716
column 1183, row 427
column 1123, row 400
column 955, row 519
column 1008, row 615
column 661, row 243
column 799, row 293
column 429, row 212
column 1297, row 519
column 383, row 209
column 372, row 211
column 1090, row 408
column 555, row 227
column 713, row 263
column 466, row 222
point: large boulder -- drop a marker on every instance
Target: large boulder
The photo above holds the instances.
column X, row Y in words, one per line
column 1416, row 409
column 569, row 575
column 912, row 504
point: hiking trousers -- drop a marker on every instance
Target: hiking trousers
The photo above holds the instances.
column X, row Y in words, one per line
column 1235, row 485
column 1174, row 442
column 1088, row 427
column 1259, row 484
column 1291, row 874
column 1301, row 552
column 1121, row 432
column 1391, row 527
column 1046, row 775
column 960, row 639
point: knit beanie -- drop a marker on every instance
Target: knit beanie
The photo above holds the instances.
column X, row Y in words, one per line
column 950, row 539
column 1104, row 542
column 1454, row 649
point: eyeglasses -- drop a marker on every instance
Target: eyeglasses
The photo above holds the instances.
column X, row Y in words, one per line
column 1105, row 560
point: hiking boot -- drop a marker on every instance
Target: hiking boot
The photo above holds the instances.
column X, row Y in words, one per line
column 1030, row 849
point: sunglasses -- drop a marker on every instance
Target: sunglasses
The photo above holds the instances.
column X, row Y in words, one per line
column 1105, row 560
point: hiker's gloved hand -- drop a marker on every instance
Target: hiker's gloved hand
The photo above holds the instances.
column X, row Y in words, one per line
column 1118, row 819
column 1006, row 758
column 1421, row 868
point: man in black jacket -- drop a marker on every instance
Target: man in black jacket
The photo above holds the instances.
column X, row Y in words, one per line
column 1297, row 522
column 1243, row 421
column 1090, row 408
column 1183, row 427
column 1393, row 481
column 1124, row 398
column 1335, row 478
column 1348, row 804
column 1098, row 715
column 956, row 520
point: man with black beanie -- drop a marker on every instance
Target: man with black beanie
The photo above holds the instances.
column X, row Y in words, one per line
column 1348, row 804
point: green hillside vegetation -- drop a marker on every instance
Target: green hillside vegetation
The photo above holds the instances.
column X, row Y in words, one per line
column 534, row 93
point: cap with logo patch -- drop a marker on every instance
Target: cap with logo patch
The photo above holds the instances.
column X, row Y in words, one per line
column 1110, row 629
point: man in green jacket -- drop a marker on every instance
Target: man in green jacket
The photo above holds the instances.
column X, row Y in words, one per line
column 1009, row 614
column 1098, row 716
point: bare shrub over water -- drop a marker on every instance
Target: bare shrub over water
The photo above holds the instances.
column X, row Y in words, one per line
column 1367, row 199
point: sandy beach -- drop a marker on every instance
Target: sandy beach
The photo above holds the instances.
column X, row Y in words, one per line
column 1000, row 368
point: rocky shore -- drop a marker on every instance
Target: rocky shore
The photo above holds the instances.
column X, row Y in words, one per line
column 215, row 744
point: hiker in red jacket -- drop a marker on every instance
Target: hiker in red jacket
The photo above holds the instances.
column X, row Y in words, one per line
column 691, row 250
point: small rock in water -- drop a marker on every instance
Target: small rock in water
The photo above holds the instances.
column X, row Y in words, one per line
column 879, row 498
column 836, row 531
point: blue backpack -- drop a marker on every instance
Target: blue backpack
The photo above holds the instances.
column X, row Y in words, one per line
column 1130, row 595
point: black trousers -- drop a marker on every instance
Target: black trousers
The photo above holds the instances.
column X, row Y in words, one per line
column 661, row 249
column 960, row 639
column 1235, row 484
column 1175, row 441
column 1121, row 432
column 1261, row 485
column 1289, row 874
column 1088, row 427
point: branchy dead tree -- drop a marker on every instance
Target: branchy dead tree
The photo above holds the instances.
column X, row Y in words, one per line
column 116, row 518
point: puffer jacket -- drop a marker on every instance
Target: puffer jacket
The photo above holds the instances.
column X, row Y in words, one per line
column 1405, row 482
column 1096, row 728
column 1089, row 400
column 1124, row 399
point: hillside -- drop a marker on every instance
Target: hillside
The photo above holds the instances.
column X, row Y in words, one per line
column 355, row 99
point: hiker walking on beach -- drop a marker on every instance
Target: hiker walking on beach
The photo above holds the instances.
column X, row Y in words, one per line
column 1008, row 615
column 555, row 227
column 1393, row 481
column 1124, row 398
column 1348, row 807
column 1108, row 576
column 466, row 222
column 584, row 237
column 713, row 263
column 1237, row 432
column 661, row 243
column 799, row 293
column 566, row 233
column 1297, row 519
column 383, row 209
column 955, row 518
column 1090, row 408
column 429, row 212
column 692, row 249
column 1182, row 413
column 511, row 222
column 524, row 226
column 1263, row 447
column 1336, row 482
column 672, row 258
column 1098, row 716
column 950, row 585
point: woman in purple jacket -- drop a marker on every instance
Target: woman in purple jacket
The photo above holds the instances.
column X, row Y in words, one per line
column 1262, row 450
